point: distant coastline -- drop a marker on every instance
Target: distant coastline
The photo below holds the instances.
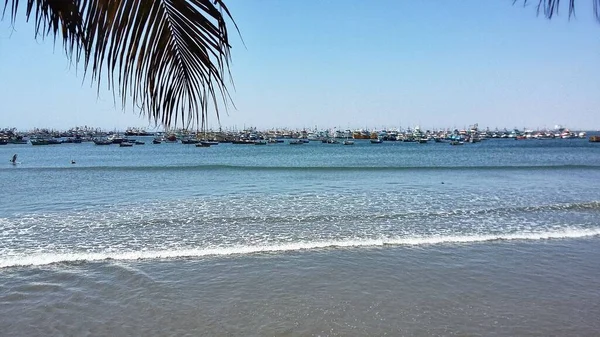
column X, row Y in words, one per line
column 473, row 134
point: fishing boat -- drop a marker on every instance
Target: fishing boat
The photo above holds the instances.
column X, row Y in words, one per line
column 39, row 141
column 206, row 143
column 18, row 140
column 189, row 141
column 99, row 141
column 116, row 139
column 205, row 139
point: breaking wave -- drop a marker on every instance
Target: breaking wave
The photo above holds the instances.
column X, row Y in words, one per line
column 39, row 259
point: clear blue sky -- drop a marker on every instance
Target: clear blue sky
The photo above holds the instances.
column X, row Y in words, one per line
column 353, row 64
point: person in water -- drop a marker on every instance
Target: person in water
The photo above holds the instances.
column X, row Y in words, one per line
column 14, row 159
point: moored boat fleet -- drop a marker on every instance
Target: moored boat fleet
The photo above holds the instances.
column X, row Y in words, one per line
column 252, row 136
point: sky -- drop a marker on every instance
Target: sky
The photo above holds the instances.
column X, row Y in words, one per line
column 351, row 64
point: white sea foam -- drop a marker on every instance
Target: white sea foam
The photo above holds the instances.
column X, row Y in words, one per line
column 38, row 259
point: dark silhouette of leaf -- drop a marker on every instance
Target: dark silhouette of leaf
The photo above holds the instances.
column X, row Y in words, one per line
column 549, row 8
column 169, row 57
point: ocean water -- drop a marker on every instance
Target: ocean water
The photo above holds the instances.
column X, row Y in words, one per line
column 494, row 238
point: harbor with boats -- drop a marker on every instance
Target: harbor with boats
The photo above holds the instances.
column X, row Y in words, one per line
column 253, row 136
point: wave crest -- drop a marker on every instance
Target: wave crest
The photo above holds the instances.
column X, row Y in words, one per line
column 53, row 258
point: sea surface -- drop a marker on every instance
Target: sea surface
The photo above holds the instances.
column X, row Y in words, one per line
column 497, row 238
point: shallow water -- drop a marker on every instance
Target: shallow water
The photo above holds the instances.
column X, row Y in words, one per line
column 494, row 238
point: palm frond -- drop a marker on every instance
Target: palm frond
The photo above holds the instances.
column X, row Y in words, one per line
column 53, row 17
column 550, row 8
column 169, row 57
